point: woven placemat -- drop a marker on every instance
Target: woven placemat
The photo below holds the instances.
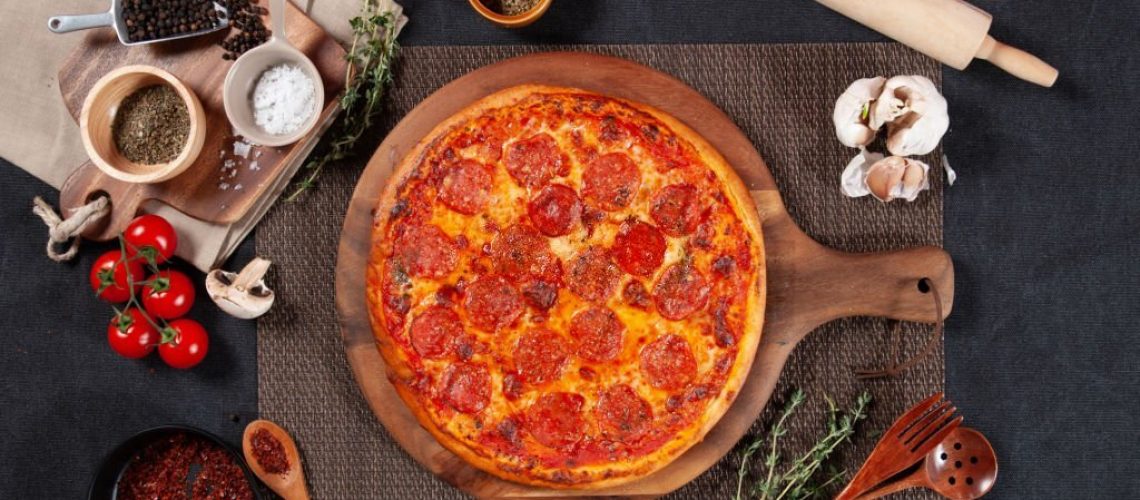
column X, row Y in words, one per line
column 781, row 96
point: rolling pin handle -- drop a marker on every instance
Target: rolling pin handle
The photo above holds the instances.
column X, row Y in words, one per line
column 1017, row 62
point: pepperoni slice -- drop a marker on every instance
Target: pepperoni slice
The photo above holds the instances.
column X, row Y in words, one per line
column 532, row 162
column 521, row 253
column 639, row 248
column 611, row 181
column 593, row 275
column 466, row 387
column 675, row 209
column 540, row 356
column 555, row 419
column 466, row 186
column 680, row 291
column 622, row 414
column 555, row 210
column 599, row 334
column 433, row 330
column 492, row 302
column 425, row 251
column 668, row 362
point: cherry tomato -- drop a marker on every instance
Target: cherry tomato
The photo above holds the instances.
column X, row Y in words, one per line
column 153, row 232
column 109, row 276
column 169, row 295
column 184, row 344
column 131, row 335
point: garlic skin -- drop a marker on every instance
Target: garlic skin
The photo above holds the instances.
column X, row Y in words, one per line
column 886, row 179
column 853, row 183
column 851, row 127
column 915, row 113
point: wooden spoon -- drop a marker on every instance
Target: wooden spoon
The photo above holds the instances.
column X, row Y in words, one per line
column 291, row 484
column 962, row 467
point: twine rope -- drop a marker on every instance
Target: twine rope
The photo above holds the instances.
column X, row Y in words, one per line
column 66, row 231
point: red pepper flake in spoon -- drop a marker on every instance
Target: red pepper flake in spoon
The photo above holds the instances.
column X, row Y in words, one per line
column 269, row 452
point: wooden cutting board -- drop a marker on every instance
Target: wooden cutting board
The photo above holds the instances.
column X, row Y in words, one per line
column 808, row 284
column 203, row 191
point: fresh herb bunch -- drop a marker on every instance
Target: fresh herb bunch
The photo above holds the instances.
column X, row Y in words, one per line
column 369, row 70
column 795, row 482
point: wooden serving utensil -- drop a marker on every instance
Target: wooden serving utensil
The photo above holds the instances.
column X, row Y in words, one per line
column 908, row 440
column 962, row 467
column 291, row 484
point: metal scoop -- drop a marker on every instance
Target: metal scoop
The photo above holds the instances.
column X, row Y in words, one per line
column 114, row 19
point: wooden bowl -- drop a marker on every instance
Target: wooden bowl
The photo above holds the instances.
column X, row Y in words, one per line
column 98, row 115
column 516, row 21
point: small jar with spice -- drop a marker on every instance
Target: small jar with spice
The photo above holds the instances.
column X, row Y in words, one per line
column 140, row 124
column 511, row 13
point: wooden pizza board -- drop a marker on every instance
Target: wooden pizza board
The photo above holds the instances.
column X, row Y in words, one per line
column 808, row 284
column 198, row 63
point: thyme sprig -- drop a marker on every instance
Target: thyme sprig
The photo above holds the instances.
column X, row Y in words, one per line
column 370, row 59
column 795, row 482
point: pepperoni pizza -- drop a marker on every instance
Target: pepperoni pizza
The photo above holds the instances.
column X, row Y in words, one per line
column 567, row 288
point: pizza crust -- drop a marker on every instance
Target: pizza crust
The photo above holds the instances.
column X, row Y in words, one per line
column 592, row 477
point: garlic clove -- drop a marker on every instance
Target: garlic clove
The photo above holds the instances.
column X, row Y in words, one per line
column 886, row 179
column 884, row 175
column 852, row 110
column 853, row 183
column 915, row 113
column 915, row 180
column 243, row 295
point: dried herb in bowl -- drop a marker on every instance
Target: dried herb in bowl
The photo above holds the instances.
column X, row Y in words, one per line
column 151, row 125
column 510, row 7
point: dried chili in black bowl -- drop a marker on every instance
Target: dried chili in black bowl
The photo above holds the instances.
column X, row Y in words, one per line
column 174, row 462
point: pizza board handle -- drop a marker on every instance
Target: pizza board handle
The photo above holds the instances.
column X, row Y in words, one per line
column 810, row 284
column 88, row 183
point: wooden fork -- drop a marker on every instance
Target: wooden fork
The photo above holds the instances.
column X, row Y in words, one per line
column 908, row 440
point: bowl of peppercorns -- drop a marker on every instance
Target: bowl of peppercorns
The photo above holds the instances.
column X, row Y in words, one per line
column 138, row 22
column 141, row 124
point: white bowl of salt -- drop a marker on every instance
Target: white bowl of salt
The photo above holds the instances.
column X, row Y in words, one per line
column 273, row 94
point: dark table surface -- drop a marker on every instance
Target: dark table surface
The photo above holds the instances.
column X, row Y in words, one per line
column 1041, row 349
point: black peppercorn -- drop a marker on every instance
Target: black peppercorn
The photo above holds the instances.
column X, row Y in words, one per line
column 161, row 18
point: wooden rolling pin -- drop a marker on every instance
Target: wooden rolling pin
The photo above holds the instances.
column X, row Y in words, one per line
column 951, row 31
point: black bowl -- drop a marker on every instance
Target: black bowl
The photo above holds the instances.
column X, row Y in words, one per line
column 107, row 477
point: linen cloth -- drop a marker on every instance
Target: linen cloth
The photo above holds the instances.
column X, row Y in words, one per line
column 39, row 135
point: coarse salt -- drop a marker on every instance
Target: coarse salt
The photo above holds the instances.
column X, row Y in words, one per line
column 241, row 148
column 283, row 99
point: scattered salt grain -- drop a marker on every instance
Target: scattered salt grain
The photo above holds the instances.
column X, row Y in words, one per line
column 283, row 99
column 241, row 148
column 224, row 186
column 237, row 187
column 253, row 165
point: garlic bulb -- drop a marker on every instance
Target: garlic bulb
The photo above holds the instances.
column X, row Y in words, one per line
column 885, row 178
column 852, row 111
column 914, row 112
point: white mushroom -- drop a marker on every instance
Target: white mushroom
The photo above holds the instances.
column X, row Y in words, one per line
column 852, row 112
column 885, row 178
column 242, row 295
column 914, row 112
